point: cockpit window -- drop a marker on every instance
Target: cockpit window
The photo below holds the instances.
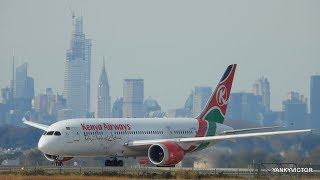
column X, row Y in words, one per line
column 50, row 133
column 44, row 133
column 57, row 133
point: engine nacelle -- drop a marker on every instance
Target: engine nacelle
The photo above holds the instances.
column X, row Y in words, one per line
column 57, row 158
column 165, row 154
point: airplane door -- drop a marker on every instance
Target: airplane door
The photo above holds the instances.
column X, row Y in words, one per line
column 72, row 135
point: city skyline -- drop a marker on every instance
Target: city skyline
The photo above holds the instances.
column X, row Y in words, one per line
column 137, row 52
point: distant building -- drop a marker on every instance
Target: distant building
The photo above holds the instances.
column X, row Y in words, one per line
column 65, row 114
column 151, row 105
column 46, row 103
column 295, row 110
column 117, row 108
column 103, row 99
column 77, row 71
column 41, row 103
column 246, row 107
column 185, row 111
column 6, row 95
column 61, row 102
column 201, row 96
column 133, row 96
column 180, row 112
column 4, row 113
column 152, row 109
column 188, row 107
column 24, row 83
column 261, row 87
column 272, row 118
column 24, row 89
column 315, row 101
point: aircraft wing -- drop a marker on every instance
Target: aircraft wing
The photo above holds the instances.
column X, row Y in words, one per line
column 237, row 131
column 27, row 120
column 214, row 138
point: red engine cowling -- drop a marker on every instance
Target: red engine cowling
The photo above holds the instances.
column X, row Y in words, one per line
column 165, row 154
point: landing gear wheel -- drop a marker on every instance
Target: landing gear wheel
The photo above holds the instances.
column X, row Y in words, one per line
column 107, row 163
column 58, row 163
column 120, row 163
column 114, row 162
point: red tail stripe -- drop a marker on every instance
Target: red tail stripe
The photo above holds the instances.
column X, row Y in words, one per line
column 227, row 82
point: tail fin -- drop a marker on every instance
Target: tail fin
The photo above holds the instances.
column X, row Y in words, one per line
column 216, row 107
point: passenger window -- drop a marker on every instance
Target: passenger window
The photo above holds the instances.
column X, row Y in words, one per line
column 50, row 133
column 57, row 133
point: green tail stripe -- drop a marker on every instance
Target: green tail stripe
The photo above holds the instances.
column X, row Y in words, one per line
column 211, row 132
column 215, row 115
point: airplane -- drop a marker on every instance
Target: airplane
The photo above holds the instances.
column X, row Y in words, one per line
column 164, row 141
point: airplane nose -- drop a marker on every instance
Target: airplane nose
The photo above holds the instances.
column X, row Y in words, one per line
column 43, row 145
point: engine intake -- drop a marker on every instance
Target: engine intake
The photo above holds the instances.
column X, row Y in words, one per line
column 165, row 154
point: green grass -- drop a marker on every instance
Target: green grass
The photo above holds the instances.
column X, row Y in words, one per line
column 137, row 174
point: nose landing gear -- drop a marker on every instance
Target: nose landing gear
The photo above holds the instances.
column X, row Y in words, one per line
column 114, row 162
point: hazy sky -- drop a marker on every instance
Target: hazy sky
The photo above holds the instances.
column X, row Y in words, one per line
column 174, row 45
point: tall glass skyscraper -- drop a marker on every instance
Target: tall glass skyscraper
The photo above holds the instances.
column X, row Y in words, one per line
column 315, row 101
column 77, row 71
column 24, row 83
column 24, row 88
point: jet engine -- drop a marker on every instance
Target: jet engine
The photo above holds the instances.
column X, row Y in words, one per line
column 165, row 154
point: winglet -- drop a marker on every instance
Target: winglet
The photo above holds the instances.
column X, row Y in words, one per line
column 27, row 116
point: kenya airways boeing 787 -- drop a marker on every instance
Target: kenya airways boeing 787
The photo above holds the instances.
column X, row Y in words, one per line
column 165, row 141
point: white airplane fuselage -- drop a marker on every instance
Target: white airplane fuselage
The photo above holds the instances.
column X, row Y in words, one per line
column 108, row 136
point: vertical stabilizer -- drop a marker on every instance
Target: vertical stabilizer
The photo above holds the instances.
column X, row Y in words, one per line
column 216, row 107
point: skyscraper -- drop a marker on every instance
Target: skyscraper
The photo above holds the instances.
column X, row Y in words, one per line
column 12, row 85
column 315, row 101
column 261, row 87
column 77, row 71
column 45, row 104
column 245, row 106
column 24, row 88
column 103, row 99
column 201, row 96
column 117, row 108
column 295, row 110
column 151, row 108
column 133, row 96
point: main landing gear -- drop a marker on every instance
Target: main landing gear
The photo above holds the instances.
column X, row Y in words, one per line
column 58, row 163
column 114, row 162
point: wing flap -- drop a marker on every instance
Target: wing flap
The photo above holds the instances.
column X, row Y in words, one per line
column 215, row 138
